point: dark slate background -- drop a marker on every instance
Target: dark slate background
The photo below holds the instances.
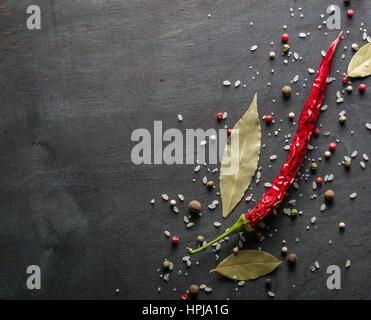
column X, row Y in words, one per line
column 71, row 94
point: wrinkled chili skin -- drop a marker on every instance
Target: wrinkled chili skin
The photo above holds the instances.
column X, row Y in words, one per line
column 308, row 118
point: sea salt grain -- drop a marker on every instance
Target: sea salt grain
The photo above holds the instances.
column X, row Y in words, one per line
column 353, row 195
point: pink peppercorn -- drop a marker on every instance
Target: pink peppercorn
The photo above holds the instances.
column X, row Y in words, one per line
column 362, row 87
column 268, row 118
column 332, row 146
column 285, row 37
column 350, row 12
column 175, row 240
column 220, row 116
column 316, row 132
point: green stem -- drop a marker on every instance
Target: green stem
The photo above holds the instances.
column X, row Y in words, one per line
column 239, row 226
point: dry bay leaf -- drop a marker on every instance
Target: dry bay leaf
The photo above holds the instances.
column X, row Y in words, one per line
column 360, row 65
column 247, row 265
column 240, row 160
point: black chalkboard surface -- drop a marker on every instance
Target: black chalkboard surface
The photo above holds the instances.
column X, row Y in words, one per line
column 73, row 202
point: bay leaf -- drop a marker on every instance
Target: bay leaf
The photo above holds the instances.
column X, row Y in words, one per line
column 360, row 65
column 247, row 265
column 240, row 159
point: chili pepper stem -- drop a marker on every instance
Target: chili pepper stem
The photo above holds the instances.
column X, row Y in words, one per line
column 241, row 225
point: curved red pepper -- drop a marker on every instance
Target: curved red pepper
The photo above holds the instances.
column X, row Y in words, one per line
column 308, row 118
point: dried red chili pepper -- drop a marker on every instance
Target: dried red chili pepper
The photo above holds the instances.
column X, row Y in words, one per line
column 275, row 194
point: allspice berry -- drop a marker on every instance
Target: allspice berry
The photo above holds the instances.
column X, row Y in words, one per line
column 194, row 206
column 329, row 195
column 292, row 257
column 194, row 289
column 261, row 224
column 268, row 282
column 286, row 90
column 285, row 48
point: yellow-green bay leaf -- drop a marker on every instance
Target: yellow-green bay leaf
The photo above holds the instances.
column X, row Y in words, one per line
column 247, row 265
column 240, row 159
column 360, row 65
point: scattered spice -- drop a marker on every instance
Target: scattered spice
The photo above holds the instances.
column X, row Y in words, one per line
column 362, row 87
column 347, row 163
column 329, row 195
column 276, row 192
column 286, row 90
column 292, row 258
column 332, row 146
column 194, row 206
column 342, row 119
column 268, row 282
column 194, row 289
column 210, row 184
column 285, row 48
column 285, row 37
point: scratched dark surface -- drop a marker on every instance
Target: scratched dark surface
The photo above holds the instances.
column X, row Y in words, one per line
column 71, row 94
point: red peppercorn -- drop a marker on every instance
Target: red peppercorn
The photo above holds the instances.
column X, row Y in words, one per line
column 350, row 12
column 229, row 132
column 362, row 87
column 258, row 235
column 319, row 180
column 316, row 132
column 285, row 37
column 332, row 146
column 345, row 79
column 175, row 240
column 268, row 118
column 220, row 115
column 184, row 296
